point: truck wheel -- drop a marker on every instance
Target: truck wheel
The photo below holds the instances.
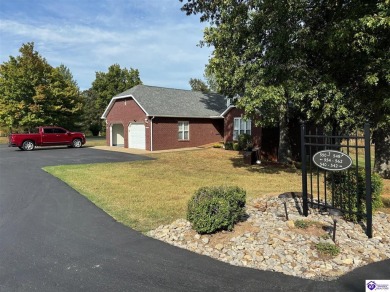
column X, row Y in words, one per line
column 28, row 145
column 77, row 143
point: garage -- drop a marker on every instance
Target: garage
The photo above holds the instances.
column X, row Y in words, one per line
column 137, row 136
column 117, row 135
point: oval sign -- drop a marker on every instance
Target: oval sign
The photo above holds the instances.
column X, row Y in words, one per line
column 332, row 160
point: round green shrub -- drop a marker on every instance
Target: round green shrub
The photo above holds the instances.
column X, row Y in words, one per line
column 228, row 146
column 349, row 192
column 216, row 208
column 236, row 147
column 245, row 142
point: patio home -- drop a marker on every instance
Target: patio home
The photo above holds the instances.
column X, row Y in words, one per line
column 156, row 118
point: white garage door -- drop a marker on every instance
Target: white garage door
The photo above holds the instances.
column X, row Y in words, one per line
column 137, row 136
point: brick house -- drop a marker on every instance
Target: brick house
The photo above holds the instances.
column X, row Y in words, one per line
column 156, row 118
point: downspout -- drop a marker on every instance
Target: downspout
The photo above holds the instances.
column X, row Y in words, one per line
column 151, row 134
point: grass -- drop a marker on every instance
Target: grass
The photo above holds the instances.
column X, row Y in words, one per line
column 147, row 194
column 95, row 141
column 328, row 249
column 304, row 224
column 3, row 140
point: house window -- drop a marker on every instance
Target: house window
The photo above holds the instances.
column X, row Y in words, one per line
column 241, row 126
column 184, row 130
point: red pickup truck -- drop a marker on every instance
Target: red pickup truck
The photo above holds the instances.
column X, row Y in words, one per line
column 47, row 136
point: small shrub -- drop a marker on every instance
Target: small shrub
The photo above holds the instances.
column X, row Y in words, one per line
column 327, row 248
column 236, row 147
column 217, row 145
column 229, row 146
column 216, row 208
column 245, row 142
column 303, row 224
column 349, row 192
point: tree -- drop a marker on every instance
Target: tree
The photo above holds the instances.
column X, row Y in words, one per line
column 104, row 87
column 198, row 85
column 92, row 120
column 209, row 86
column 323, row 61
column 33, row 93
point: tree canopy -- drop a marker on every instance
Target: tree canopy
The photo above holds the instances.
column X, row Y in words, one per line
column 33, row 93
column 323, row 61
column 104, row 87
column 198, row 85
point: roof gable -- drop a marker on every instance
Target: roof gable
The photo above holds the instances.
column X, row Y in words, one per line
column 169, row 102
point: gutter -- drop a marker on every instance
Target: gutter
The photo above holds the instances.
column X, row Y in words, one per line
column 151, row 133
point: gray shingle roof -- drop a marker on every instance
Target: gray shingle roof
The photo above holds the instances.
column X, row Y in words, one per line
column 168, row 102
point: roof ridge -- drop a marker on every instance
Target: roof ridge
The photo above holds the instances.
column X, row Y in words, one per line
column 161, row 87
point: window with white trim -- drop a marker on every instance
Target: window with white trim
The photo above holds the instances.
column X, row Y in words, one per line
column 184, row 130
column 241, row 126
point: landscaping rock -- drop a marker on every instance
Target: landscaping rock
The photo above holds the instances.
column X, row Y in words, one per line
column 277, row 245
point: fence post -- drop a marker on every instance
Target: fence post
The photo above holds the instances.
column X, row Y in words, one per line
column 304, row 171
column 367, row 152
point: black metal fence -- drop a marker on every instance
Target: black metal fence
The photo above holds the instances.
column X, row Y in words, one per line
column 329, row 186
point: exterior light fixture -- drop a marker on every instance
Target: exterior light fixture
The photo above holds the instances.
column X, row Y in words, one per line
column 284, row 197
column 335, row 214
column 257, row 150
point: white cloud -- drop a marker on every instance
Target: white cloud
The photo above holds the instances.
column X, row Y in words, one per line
column 159, row 41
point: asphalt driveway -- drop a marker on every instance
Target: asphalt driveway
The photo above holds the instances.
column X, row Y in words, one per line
column 53, row 239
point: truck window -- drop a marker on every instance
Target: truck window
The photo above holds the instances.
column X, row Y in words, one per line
column 59, row 131
column 48, row 130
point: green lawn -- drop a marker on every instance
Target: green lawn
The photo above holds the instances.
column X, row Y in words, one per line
column 3, row 140
column 95, row 141
column 146, row 194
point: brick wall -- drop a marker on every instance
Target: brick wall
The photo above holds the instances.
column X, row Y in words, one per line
column 229, row 127
column 125, row 111
column 201, row 132
column 165, row 130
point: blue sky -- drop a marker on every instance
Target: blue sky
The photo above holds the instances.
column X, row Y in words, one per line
column 153, row 36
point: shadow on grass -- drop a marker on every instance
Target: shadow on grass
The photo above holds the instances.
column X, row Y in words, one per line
column 268, row 167
column 386, row 202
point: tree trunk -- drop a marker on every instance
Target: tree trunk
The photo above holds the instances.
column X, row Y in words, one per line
column 382, row 152
column 284, row 151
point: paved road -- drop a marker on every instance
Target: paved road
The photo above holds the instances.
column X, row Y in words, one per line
column 53, row 239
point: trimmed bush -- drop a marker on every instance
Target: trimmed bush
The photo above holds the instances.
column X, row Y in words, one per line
column 229, row 146
column 349, row 192
column 216, row 208
column 245, row 142
column 236, row 147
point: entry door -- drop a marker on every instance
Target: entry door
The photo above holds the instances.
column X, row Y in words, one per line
column 137, row 136
column 117, row 135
